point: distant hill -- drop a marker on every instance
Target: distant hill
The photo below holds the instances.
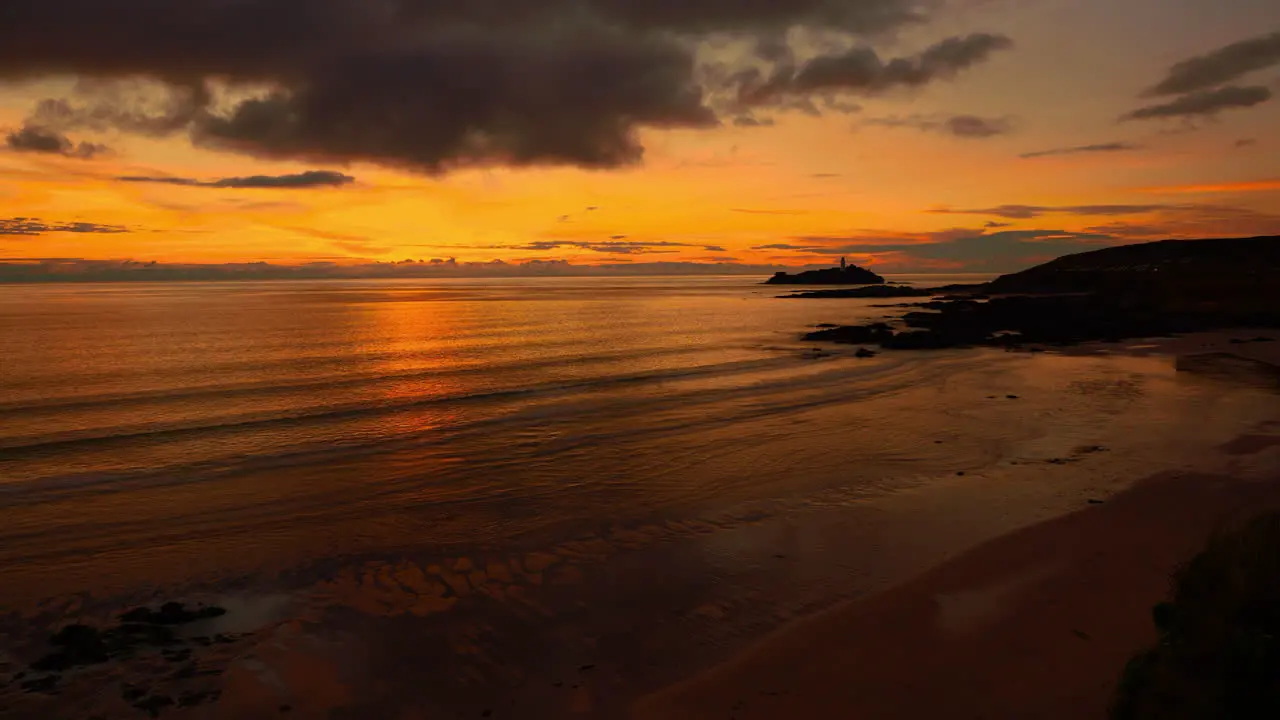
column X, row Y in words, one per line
column 1204, row 268
column 1132, row 291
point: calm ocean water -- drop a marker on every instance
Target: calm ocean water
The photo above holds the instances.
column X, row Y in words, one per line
column 431, row 498
column 264, row 408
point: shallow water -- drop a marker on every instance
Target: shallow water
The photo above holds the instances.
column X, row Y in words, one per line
column 455, row 495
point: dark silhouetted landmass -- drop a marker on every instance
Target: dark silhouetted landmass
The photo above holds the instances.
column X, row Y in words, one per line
column 851, row 275
column 1133, row 291
column 886, row 291
column 1219, row 649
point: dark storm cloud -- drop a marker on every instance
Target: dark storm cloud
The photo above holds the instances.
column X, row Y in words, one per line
column 1203, row 103
column 309, row 179
column 861, row 70
column 430, row 85
column 1098, row 148
column 964, row 126
column 37, row 140
column 1025, row 212
column 1221, row 66
column 36, row 226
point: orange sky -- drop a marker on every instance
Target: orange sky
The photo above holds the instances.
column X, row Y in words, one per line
column 720, row 195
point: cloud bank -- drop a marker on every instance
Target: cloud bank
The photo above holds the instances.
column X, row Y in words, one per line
column 309, row 179
column 35, row 226
column 38, row 140
column 1201, row 82
column 435, row 85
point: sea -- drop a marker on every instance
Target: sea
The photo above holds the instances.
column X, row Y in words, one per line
column 479, row 487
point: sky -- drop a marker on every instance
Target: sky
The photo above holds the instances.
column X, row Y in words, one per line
column 677, row 135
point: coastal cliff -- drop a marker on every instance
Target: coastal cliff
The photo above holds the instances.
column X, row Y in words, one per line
column 1147, row 290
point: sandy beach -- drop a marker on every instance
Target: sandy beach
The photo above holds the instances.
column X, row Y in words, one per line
column 1037, row 623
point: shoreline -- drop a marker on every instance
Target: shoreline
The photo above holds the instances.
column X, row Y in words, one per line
column 710, row 585
column 1038, row 622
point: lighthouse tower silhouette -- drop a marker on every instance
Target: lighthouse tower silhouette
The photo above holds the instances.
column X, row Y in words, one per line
column 842, row 267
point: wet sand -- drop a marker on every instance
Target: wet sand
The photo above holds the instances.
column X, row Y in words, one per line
column 1037, row 623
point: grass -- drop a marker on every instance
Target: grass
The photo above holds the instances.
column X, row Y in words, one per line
column 1219, row 650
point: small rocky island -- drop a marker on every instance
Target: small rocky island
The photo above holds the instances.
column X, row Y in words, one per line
column 1117, row 293
column 843, row 275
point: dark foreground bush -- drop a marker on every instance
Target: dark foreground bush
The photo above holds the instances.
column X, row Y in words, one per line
column 1219, row 650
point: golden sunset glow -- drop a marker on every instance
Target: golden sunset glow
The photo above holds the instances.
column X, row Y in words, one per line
column 803, row 190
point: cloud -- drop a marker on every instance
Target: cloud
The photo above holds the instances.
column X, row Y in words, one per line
column 752, row 121
column 1221, row 66
column 308, row 179
column 758, row 211
column 1195, row 221
column 1245, row 142
column 971, row 249
column 615, row 245
column 34, row 139
column 1266, row 185
column 428, row 85
column 861, row 70
column 80, row 270
column 963, row 126
column 1025, row 212
column 1097, row 148
column 994, row 224
column 35, row 226
column 1203, row 103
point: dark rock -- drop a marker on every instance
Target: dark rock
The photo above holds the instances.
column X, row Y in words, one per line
column 285, row 708
column 191, row 698
column 960, row 473
column 864, row 353
column 869, row 291
column 851, row 275
column 585, row 668
column 171, row 613
column 853, row 334
column 1095, row 501
column 80, row 645
column 184, row 672
column 141, row 634
column 47, row 684
column 129, row 693
column 154, row 704
column 917, row 340
column 136, row 615
column 1011, row 397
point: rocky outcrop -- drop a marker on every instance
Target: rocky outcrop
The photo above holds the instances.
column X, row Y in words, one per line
column 1135, row 291
column 851, row 275
column 890, row 291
